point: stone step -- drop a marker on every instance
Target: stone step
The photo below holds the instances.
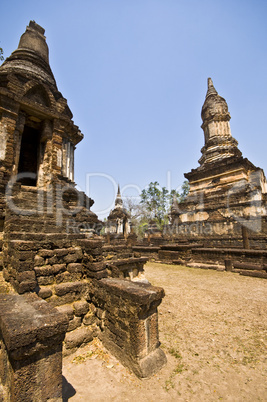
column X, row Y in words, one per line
column 36, row 227
column 84, row 322
column 15, row 219
column 38, row 222
column 46, row 237
column 249, row 266
column 257, row 274
column 66, row 292
column 30, row 208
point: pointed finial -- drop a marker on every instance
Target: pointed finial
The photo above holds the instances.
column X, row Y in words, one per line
column 210, row 83
column 118, row 201
column 211, row 90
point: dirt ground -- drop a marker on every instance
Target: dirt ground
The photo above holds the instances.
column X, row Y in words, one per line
column 213, row 331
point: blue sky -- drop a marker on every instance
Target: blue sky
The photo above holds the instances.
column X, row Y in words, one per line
column 135, row 73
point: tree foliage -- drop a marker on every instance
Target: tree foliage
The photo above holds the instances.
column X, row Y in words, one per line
column 1, row 54
column 154, row 206
column 185, row 191
column 155, row 201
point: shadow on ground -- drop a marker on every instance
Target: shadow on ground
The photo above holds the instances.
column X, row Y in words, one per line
column 67, row 390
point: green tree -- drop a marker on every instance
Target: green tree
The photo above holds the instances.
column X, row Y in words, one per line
column 185, row 191
column 180, row 196
column 155, row 201
column 154, row 206
column 1, row 54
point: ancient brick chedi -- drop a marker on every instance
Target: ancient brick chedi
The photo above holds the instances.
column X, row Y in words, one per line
column 38, row 136
column 44, row 250
column 226, row 203
column 118, row 222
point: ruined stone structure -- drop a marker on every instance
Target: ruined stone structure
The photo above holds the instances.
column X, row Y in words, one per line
column 38, row 138
column 49, row 235
column 226, row 204
column 31, row 335
column 222, row 223
column 118, row 222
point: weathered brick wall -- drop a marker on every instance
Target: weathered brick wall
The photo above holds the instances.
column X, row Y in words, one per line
column 150, row 252
column 64, row 280
column 117, row 251
column 60, row 270
column 8, row 123
column 129, row 322
column 127, row 268
column 31, row 335
column 219, row 255
column 123, row 261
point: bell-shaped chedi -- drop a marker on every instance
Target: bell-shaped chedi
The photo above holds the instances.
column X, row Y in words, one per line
column 118, row 221
column 227, row 192
column 37, row 136
column 34, row 53
column 219, row 143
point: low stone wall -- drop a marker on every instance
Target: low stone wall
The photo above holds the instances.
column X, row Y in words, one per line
column 66, row 271
column 128, row 268
column 130, row 323
column 59, row 269
column 176, row 252
column 150, row 252
column 124, row 261
column 258, row 269
column 250, row 262
column 50, row 254
column 31, row 336
column 116, row 251
column 219, row 255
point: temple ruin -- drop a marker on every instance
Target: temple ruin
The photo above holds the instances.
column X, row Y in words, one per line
column 222, row 223
column 118, row 222
column 226, row 203
column 61, row 278
column 62, row 284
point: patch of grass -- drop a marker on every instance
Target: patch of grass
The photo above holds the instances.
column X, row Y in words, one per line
column 179, row 368
column 95, row 353
column 248, row 360
column 169, row 384
column 250, row 351
column 82, row 358
column 175, row 353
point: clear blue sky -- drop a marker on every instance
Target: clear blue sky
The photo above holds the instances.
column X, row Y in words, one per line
column 135, row 73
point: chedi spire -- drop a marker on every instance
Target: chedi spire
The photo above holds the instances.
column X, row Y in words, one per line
column 31, row 57
column 211, row 90
column 118, row 201
column 219, row 143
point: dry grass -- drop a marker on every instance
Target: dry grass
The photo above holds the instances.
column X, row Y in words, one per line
column 218, row 322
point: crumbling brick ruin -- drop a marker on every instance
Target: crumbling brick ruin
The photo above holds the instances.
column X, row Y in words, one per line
column 228, row 194
column 44, row 252
column 118, row 222
column 222, row 223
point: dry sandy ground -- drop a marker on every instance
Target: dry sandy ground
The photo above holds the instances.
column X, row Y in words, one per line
column 213, row 331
